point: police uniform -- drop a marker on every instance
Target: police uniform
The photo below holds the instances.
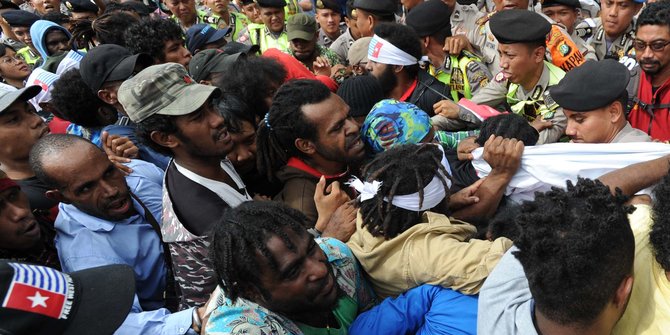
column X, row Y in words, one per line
column 561, row 49
column 522, row 26
column 595, row 85
column 20, row 18
column 323, row 38
column 620, row 47
column 259, row 34
column 463, row 73
column 200, row 17
column 238, row 22
column 326, row 41
column 584, row 48
column 464, row 20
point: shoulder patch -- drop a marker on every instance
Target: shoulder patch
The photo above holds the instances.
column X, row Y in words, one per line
column 500, row 77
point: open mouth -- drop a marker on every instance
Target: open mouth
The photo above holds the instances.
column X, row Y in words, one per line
column 119, row 206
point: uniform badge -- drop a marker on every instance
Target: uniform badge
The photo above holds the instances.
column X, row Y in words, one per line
column 564, row 49
column 319, row 4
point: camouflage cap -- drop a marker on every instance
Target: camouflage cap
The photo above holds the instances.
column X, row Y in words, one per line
column 164, row 89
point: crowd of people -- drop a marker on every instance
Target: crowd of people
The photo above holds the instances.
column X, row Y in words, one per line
column 287, row 167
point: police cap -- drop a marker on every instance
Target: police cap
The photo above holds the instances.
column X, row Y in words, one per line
column 593, row 85
column 428, row 18
column 328, row 4
column 81, row 6
column 20, row 18
column 379, row 7
column 519, row 26
column 569, row 3
column 6, row 4
column 272, row 3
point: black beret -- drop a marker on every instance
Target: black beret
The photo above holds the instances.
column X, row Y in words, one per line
column 328, row 4
column 272, row 3
column 379, row 7
column 246, row 2
column 6, row 4
column 81, row 6
column 519, row 26
column 20, row 18
column 429, row 17
column 593, row 85
column 569, row 3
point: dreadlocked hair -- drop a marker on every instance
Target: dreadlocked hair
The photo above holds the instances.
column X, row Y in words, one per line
column 106, row 29
column 242, row 233
column 576, row 247
column 285, row 122
column 508, row 126
column 660, row 230
column 404, row 169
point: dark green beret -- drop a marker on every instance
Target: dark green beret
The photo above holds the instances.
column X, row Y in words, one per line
column 519, row 26
column 81, row 6
column 329, row 4
column 379, row 7
column 429, row 17
column 20, row 18
column 593, row 85
column 569, row 3
column 272, row 3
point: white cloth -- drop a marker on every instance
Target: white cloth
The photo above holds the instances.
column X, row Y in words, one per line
column 228, row 194
column 383, row 52
column 45, row 80
column 70, row 61
column 548, row 165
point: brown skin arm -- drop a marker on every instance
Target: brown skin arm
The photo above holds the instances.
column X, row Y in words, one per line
column 504, row 157
column 636, row 177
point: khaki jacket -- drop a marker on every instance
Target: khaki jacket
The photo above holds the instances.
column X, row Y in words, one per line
column 437, row 251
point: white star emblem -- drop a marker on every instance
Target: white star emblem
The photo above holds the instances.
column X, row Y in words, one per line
column 38, row 300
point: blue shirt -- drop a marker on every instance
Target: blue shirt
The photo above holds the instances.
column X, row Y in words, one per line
column 85, row 241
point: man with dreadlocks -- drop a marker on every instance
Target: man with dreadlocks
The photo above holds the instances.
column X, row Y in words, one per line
column 275, row 278
column 402, row 237
column 308, row 135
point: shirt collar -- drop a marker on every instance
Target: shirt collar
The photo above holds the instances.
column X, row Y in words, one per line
column 94, row 223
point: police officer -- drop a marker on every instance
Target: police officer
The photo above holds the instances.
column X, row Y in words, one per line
column 566, row 12
column 342, row 44
column 272, row 33
column 82, row 9
column 464, row 28
column 522, row 84
column 20, row 22
column 329, row 17
column 593, row 97
column 369, row 13
column 615, row 38
column 250, row 9
column 186, row 15
column 463, row 72
column 220, row 17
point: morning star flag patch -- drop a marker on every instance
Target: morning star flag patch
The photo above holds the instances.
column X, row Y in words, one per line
column 40, row 290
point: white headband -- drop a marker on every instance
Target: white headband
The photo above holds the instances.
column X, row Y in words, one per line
column 433, row 193
column 383, row 52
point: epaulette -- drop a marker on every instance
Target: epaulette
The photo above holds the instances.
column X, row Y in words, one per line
column 209, row 19
column 482, row 20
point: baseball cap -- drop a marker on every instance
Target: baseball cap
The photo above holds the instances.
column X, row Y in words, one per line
column 211, row 61
column 301, row 26
column 110, row 62
column 200, row 34
column 232, row 48
column 41, row 300
column 7, row 98
column 164, row 89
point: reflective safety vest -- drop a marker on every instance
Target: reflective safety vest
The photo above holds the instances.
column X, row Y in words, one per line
column 237, row 21
column 259, row 34
column 540, row 102
column 29, row 56
column 291, row 8
column 455, row 74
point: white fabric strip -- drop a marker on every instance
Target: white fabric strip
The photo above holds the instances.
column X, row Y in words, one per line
column 433, row 193
column 383, row 52
column 547, row 165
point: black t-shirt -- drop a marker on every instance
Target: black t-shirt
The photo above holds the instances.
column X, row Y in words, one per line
column 463, row 174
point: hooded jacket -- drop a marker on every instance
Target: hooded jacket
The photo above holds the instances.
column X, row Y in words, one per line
column 38, row 33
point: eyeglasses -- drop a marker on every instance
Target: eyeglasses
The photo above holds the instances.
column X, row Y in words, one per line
column 10, row 59
column 655, row 45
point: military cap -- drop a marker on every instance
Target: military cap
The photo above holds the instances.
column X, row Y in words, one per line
column 519, row 26
column 301, row 26
column 569, row 3
column 379, row 7
column 20, row 18
column 428, row 18
column 593, row 85
column 328, row 4
column 81, row 6
column 272, row 3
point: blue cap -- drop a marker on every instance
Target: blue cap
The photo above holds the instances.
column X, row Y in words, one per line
column 200, row 34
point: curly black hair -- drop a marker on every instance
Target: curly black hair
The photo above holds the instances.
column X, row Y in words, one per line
column 241, row 234
column 106, row 29
column 660, row 231
column 276, row 145
column 235, row 112
column 508, row 126
column 405, row 39
column 150, row 35
column 75, row 102
column 404, row 169
column 253, row 81
column 576, row 247
column 657, row 14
